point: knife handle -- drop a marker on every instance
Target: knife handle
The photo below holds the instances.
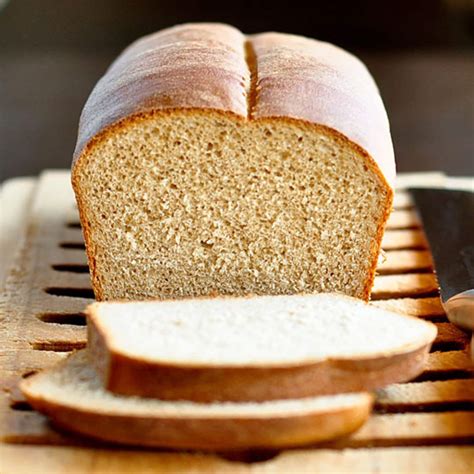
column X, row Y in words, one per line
column 460, row 309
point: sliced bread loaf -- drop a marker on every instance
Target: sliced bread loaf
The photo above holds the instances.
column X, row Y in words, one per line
column 255, row 348
column 72, row 395
column 210, row 162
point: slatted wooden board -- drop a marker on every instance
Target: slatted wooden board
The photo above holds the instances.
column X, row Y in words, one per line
column 426, row 425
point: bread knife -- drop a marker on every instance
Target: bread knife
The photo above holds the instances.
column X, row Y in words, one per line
column 447, row 216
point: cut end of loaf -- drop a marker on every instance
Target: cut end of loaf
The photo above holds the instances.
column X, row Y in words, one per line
column 192, row 203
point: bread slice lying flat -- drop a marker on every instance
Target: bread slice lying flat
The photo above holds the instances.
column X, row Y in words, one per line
column 71, row 394
column 210, row 162
column 255, row 348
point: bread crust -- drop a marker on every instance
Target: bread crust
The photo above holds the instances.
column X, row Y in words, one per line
column 319, row 83
column 231, row 432
column 209, row 434
column 198, row 66
column 126, row 375
column 213, row 68
column 207, row 66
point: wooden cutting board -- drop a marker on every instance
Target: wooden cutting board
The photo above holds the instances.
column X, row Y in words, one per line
column 426, row 425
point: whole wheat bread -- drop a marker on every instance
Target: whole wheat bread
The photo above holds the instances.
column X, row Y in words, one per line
column 71, row 394
column 210, row 162
column 255, row 348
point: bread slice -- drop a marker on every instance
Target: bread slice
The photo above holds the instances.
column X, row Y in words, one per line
column 72, row 395
column 210, row 162
column 256, row 348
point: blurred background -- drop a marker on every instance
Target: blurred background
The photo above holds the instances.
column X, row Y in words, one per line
column 421, row 53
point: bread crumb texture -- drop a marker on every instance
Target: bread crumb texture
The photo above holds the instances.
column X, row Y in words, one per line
column 258, row 331
column 187, row 205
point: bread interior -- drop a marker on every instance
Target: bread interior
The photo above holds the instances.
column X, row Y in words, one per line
column 188, row 203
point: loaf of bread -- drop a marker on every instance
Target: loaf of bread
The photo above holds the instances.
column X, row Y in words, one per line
column 253, row 349
column 71, row 394
column 210, row 162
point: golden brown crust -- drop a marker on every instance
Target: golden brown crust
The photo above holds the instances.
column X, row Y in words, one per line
column 207, row 434
column 167, row 381
column 377, row 244
column 200, row 431
column 95, row 281
column 130, row 376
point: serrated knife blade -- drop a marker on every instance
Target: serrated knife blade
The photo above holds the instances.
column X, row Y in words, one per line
column 447, row 216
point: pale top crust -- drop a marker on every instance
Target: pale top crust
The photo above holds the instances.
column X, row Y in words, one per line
column 270, row 75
